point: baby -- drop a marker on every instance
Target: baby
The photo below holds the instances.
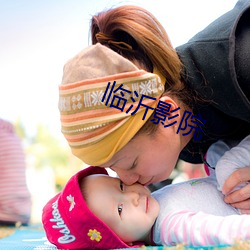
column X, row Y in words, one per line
column 96, row 211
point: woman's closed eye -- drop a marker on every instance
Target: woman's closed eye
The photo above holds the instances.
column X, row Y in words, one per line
column 121, row 186
column 120, row 206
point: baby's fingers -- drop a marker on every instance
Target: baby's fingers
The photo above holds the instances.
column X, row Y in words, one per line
column 239, row 198
column 237, row 177
column 245, row 211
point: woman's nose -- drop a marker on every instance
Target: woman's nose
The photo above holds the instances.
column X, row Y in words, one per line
column 126, row 177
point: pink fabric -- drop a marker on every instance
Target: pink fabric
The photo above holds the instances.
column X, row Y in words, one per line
column 206, row 168
column 201, row 229
column 15, row 200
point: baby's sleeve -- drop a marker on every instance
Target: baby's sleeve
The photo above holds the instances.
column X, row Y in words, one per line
column 201, row 229
column 233, row 159
column 214, row 153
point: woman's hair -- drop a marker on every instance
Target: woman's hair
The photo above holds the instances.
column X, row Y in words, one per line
column 137, row 35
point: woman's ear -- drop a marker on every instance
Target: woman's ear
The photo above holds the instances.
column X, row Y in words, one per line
column 170, row 101
column 172, row 110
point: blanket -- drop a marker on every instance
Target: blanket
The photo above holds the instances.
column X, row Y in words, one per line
column 33, row 238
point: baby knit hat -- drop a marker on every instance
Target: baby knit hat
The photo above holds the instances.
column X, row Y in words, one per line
column 104, row 101
column 69, row 223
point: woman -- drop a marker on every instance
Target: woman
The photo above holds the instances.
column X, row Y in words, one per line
column 206, row 84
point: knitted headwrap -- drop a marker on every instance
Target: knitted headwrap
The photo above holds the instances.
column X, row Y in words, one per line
column 93, row 112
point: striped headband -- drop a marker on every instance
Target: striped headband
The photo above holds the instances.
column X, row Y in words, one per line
column 104, row 101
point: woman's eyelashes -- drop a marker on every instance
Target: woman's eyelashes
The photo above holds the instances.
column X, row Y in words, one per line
column 120, row 206
column 121, row 186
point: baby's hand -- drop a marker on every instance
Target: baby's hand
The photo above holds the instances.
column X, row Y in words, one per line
column 241, row 197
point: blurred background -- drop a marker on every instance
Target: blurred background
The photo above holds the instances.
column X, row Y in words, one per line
column 36, row 40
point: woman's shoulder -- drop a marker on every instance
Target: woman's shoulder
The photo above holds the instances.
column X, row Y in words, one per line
column 209, row 65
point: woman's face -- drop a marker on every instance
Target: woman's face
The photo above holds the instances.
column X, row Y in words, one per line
column 147, row 159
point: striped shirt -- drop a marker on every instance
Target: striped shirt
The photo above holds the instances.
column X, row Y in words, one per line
column 15, row 200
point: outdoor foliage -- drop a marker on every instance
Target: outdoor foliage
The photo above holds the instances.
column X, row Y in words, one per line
column 45, row 150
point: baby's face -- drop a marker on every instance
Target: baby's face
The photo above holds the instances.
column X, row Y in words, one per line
column 130, row 211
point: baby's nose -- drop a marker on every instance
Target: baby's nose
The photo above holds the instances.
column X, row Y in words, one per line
column 133, row 198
